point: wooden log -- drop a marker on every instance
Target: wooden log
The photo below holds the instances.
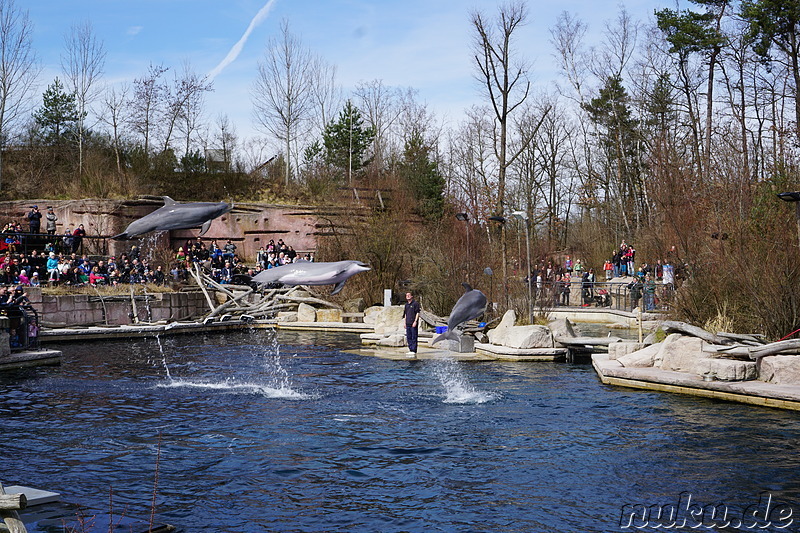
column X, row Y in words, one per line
column 755, row 340
column 198, row 279
column 11, row 519
column 775, row 348
column 14, row 502
column 586, row 341
column 694, row 331
column 309, row 300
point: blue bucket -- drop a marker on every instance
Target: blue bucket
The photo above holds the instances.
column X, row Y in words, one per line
column 440, row 329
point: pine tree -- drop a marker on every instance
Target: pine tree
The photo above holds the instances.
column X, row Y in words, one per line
column 347, row 142
column 423, row 176
column 58, row 117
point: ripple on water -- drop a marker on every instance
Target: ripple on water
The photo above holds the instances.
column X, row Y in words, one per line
column 258, row 432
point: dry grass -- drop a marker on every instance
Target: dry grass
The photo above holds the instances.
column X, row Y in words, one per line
column 105, row 290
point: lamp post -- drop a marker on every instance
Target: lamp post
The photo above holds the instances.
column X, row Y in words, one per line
column 502, row 221
column 463, row 217
column 795, row 198
column 522, row 215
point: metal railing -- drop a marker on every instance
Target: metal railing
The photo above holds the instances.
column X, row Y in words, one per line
column 622, row 296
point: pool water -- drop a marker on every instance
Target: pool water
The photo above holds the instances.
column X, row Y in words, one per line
column 265, row 431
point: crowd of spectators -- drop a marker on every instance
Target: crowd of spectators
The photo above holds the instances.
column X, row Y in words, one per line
column 54, row 259
column 223, row 262
column 651, row 283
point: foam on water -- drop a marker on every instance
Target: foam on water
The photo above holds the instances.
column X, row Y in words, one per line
column 457, row 387
column 232, row 385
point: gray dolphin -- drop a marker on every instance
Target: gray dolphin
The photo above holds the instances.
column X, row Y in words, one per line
column 312, row 273
column 471, row 305
column 176, row 215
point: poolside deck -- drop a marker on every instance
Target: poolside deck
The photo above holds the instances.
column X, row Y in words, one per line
column 754, row 392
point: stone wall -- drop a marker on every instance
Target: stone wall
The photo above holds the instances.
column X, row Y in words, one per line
column 87, row 309
column 249, row 226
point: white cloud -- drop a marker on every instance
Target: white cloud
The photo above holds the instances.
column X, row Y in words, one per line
column 134, row 30
column 237, row 48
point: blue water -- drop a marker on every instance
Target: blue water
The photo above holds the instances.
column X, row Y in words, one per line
column 261, row 431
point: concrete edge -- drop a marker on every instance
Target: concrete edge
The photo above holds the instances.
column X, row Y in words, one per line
column 611, row 372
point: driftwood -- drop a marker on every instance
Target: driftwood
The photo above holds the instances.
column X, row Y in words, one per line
column 14, row 502
column 230, row 303
column 198, row 278
column 10, row 517
column 752, row 340
column 754, row 352
column 307, row 300
column 585, row 341
column 774, row 348
column 682, row 327
column 431, row 319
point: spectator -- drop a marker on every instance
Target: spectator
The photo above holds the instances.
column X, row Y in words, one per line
column 77, row 238
column 95, row 277
column 34, row 219
column 66, row 241
column 52, row 268
column 51, row 221
column 230, row 250
column 35, row 280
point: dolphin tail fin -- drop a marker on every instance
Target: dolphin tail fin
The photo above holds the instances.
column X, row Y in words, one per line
column 338, row 287
column 121, row 237
column 449, row 334
column 204, row 228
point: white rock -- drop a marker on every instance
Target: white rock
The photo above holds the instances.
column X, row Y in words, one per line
column 306, row 313
column 390, row 320
column 642, row 358
column 371, row 314
column 329, row 315
column 524, row 337
column 562, row 327
column 618, row 349
column 286, row 316
column 680, row 353
column 727, row 369
column 496, row 335
column 780, row 369
column 393, row 340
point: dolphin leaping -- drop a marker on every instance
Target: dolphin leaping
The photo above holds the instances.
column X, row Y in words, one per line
column 175, row 215
column 312, row 273
column 471, row 305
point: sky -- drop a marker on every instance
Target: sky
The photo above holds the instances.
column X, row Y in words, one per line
column 423, row 44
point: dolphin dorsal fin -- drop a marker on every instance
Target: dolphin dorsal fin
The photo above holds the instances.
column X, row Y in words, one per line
column 168, row 200
column 466, row 286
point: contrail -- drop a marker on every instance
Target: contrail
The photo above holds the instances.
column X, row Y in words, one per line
column 237, row 48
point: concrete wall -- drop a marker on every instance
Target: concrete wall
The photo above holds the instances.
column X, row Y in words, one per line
column 86, row 309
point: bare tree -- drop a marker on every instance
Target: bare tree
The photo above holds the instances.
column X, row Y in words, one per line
column 225, row 139
column 114, row 114
column 503, row 76
column 379, row 104
column 82, row 64
column 184, row 106
column 147, row 105
column 18, row 68
column 282, row 94
column 325, row 93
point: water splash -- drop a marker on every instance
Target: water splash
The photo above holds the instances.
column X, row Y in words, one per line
column 232, row 385
column 457, row 387
column 264, row 373
column 163, row 356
